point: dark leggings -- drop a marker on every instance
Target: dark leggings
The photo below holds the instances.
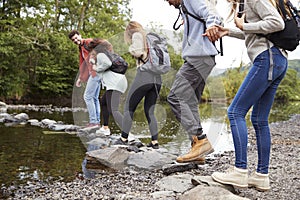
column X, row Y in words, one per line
column 110, row 101
column 137, row 92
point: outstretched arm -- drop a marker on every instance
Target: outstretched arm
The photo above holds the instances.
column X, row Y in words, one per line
column 215, row 32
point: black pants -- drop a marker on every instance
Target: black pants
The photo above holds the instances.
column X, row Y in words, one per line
column 145, row 85
column 110, row 101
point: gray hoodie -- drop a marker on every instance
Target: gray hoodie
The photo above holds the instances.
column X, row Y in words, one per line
column 194, row 44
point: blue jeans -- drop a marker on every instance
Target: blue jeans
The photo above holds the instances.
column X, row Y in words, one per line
column 258, row 92
column 91, row 98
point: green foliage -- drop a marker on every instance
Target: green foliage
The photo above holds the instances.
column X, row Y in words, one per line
column 295, row 64
column 37, row 57
column 214, row 89
column 289, row 88
column 232, row 80
column 38, row 60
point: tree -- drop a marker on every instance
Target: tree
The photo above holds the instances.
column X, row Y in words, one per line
column 37, row 58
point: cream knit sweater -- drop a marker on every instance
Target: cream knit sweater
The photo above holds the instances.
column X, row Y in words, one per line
column 261, row 18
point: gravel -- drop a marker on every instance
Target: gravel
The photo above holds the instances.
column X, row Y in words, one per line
column 130, row 183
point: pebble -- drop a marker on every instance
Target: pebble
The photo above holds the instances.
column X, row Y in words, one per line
column 129, row 183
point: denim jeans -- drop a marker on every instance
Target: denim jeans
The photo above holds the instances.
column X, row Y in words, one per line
column 258, row 92
column 91, row 98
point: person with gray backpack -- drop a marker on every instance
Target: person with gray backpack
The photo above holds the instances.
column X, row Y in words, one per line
column 198, row 53
column 152, row 60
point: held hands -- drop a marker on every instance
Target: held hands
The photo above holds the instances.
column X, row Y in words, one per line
column 212, row 33
column 215, row 32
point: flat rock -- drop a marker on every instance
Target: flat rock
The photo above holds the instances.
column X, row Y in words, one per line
column 209, row 193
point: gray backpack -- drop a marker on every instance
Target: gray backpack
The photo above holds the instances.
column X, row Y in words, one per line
column 158, row 56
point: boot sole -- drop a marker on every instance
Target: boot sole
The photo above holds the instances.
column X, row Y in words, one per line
column 201, row 155
column 259, row 188
column 230, row 183
column 199, row 162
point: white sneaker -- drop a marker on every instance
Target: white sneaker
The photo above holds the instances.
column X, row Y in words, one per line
column 103, row 131
column 260, row 181
column 233, row 176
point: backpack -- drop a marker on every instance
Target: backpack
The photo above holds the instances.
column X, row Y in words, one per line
column 119, row 65
column 289, row 37
column 158, row 56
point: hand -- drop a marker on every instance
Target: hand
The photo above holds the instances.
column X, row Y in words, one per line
column 212, row 33
column 239, row 21
column 92, row 61
column 94, row 67
column 78, row 83
column 221, row 31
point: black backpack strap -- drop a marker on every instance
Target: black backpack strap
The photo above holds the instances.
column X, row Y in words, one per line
column 175, row 26
column 221, row 47
column 108, row 54
column 293, row 9
column 241, row 8
column 186, row 12
column 141, row 60
column 281, row 9
column 85, row 45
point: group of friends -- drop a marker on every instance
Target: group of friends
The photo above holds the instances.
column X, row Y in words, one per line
column 257, row 91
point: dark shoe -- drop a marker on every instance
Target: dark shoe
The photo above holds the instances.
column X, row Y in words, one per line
column 137, row 144
column 154, row 146
column 120, row 142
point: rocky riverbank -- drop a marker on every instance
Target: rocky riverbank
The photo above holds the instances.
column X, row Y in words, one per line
column 131, row 183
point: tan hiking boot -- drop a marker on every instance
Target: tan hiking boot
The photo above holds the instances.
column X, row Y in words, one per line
column 233, row 176
column 199, row 149
column 200, row 161
column 260, row 181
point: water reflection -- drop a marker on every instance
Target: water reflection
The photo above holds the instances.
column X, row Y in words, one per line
column 26, row 153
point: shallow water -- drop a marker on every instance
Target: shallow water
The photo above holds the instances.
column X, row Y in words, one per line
column 29, row 153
